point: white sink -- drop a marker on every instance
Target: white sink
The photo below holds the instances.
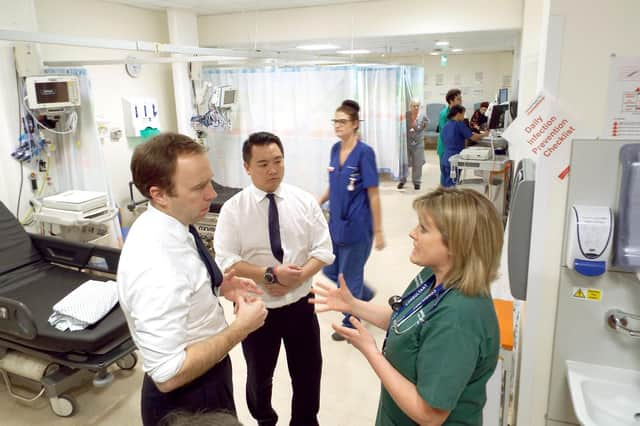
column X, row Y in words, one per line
column 604, row 396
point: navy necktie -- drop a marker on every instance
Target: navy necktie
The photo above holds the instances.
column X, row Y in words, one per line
column 214, row 272
column 274, row 229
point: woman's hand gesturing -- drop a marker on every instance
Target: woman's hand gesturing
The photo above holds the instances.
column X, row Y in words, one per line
column 330, row 298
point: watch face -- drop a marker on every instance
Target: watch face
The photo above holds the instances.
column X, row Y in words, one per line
column 268, row 277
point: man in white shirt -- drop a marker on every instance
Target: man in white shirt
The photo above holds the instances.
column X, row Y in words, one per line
column 166, row 284
column 276, row 234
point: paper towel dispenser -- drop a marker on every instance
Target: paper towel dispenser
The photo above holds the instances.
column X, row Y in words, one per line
column 519, row 228
column 627, row 250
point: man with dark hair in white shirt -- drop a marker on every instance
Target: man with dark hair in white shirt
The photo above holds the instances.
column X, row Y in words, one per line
column 276, row 234
column 168, row 285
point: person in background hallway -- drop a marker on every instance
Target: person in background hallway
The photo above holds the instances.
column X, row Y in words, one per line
column 454, row 134
column 355, row 219
column 416, row 124
column 168, row 285
column 479, row 120
column 276, row 234
column 453, row 97
column 442, row 334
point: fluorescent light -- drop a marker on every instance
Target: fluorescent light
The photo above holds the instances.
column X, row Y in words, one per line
column 434, row 53
column 317, row 47
column 354, row 52
column 442, row 43
column 456, row 50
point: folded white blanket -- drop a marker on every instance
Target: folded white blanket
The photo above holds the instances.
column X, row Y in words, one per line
column 85, row 305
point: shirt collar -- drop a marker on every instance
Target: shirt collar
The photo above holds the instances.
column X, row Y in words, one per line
column 169, row 223
column 261, row 195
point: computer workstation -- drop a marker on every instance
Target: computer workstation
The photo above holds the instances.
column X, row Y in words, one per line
column 486, row 166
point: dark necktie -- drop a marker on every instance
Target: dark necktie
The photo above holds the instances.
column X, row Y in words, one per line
column 274, row 229
column 214, row 272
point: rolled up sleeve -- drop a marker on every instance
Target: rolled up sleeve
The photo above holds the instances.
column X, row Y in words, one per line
column 321, row 247
column 226, row 243
column 160, row 315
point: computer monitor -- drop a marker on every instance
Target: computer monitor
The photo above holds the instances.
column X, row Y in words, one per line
column 227, row 97
column 496, row 120
column 503, row 95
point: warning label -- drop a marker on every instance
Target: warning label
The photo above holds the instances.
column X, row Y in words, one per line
column 584, row 293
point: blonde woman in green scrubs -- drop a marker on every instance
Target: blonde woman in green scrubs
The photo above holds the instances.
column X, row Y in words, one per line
column 442, row 334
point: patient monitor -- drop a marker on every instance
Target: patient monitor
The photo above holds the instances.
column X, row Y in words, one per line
column 55, row 91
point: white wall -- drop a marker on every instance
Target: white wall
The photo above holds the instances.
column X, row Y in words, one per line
column 460, row 73
column 531, row 59
column 110, row 83
column 15, row 16
column 364, row 19
column 183, row 30
column 588, row 37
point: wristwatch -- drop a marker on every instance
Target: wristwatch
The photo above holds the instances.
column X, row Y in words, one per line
column 270, row 275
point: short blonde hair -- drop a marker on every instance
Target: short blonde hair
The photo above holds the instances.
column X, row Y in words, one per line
column 472, row 230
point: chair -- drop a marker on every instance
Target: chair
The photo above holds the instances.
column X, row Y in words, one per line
column 35, row 273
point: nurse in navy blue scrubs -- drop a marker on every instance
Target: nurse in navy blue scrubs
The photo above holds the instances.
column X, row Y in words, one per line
column 355, row 221
column 454, row 134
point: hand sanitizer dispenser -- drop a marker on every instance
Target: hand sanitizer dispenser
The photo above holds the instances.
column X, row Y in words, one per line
column 590, row 239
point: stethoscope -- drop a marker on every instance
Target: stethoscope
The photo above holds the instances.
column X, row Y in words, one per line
column 399, row 304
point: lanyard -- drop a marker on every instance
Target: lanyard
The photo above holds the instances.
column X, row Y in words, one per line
column 398, row 318
column 433, row 295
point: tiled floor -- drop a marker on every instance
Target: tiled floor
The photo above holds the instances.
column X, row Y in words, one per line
column 350, row 389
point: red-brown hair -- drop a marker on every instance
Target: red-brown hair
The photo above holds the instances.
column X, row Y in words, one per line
column 154, row 162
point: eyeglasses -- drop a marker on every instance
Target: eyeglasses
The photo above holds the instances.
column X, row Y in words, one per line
column 341, row 121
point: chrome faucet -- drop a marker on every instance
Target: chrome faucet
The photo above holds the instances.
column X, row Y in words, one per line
column 619, row 321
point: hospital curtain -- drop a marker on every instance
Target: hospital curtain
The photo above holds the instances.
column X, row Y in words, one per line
column 79, row 159
column 297, row 104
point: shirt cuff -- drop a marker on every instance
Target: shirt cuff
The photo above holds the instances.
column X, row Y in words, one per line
column 169, row 368
column 323, row 256
column 225, row 262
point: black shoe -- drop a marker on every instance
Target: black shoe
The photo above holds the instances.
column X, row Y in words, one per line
column 400, row 185
column 416, row 186
column 337, row 337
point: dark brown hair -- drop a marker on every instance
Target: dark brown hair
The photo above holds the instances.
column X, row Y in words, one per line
column 451, row 95
column 455, row 110
column 259, row 139
column 484, row 104
column 154, row 162
column 352, row 109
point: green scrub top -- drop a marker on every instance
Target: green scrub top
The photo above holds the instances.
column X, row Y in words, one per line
column 449, row 352
column 442, row 120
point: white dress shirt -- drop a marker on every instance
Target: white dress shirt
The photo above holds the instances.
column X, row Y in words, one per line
column 242, row 234
column 165, row 292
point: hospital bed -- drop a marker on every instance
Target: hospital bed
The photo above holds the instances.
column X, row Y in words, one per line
column 35, row 273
